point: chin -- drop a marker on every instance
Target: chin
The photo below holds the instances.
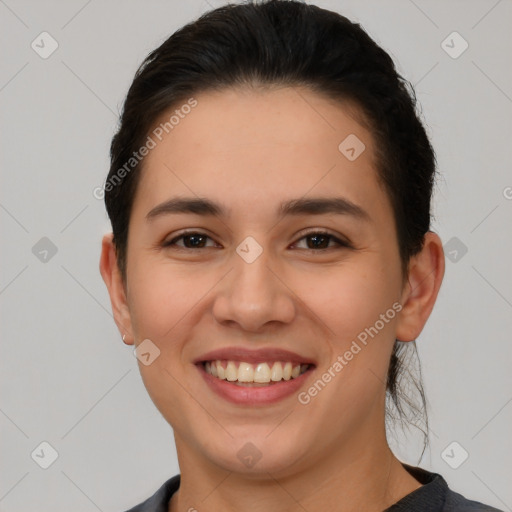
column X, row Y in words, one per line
column 259, row 454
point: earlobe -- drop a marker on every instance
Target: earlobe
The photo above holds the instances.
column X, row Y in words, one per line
column 426, row 272
column 111, row 275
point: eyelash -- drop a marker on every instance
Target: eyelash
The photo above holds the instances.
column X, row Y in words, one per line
column 340, row 243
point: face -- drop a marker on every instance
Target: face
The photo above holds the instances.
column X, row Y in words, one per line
column 288, row 253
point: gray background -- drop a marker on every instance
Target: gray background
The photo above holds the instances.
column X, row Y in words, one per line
column 67, row 378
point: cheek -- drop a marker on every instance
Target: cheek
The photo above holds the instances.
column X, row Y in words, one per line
column 162, row 305
column 161, row 298
column 347, row 299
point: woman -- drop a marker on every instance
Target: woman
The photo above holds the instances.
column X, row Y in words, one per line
column 269, row 194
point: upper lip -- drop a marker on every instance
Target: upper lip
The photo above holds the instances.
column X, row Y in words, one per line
column 254, row 356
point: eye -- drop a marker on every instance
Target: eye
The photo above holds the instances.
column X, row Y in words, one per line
column 191, row 240
column 320, row 240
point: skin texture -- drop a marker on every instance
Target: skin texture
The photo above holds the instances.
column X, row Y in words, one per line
column 249, row 150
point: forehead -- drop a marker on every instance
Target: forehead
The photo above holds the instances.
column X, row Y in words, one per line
column 244, row 148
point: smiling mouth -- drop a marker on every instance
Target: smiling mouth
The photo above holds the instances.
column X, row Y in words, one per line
column 254, row 375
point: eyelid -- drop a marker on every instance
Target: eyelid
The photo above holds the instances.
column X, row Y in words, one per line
column 319, row 231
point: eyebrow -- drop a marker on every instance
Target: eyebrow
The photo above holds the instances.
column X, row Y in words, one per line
column 311, row 206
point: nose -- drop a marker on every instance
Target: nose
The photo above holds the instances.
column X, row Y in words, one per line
column 254, row 296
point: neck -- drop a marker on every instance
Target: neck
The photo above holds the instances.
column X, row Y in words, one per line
column 354, row 478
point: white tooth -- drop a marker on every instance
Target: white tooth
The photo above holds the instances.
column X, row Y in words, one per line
column 287, row 371
column 221, row 372
column 277, row 372
column 245, row 373
column 231, row 371
column 262, row 373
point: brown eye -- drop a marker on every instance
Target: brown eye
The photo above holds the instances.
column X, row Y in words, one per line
column 191, row 240
column 318, row 241
column 321, row 240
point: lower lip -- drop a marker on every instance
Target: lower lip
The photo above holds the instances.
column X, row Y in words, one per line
column 246, row 395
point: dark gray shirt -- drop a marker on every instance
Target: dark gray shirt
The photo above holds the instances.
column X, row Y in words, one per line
column 433, row 496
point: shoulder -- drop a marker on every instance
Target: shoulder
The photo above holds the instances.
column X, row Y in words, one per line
column 159, row 501
column 435, row 496
column 455, row 502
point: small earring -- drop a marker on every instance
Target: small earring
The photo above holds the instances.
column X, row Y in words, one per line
column 124, row 336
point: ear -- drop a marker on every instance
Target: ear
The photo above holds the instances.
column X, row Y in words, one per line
column 426, row 272
column 112, row 276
